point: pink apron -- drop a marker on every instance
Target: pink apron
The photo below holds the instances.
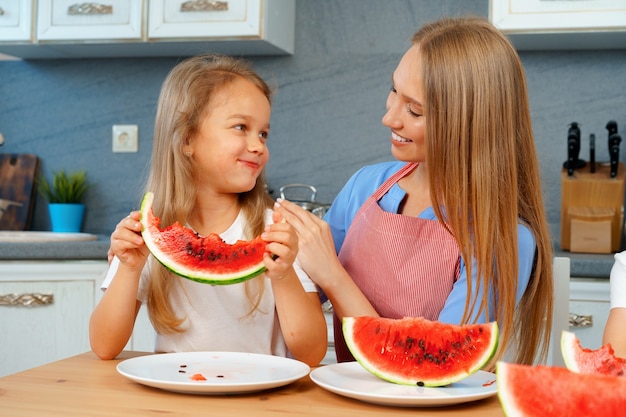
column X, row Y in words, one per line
column 404, row 265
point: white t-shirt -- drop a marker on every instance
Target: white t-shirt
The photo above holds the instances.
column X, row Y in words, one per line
column 618, row 281
column 217, row 316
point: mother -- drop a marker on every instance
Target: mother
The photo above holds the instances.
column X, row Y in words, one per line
column 455, row 230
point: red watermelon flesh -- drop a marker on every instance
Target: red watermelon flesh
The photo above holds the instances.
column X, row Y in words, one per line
column 544, row 391
column 206, row 259
column 588, row 361
column 416, row 351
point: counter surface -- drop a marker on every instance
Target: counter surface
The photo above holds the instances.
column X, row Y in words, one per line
column 84, row 385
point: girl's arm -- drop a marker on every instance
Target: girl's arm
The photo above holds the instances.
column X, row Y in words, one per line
column 112, row 321
column 615, row 328
column 615, row 331
column 300, row 313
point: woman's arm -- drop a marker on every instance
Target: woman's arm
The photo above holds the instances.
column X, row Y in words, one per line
column 455, row 303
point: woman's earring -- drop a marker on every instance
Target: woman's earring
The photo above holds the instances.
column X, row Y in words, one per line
column 188, row 153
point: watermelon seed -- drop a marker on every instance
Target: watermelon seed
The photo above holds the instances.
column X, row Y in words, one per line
column 420, row 383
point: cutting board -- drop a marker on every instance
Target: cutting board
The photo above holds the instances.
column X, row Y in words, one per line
column 18, row 173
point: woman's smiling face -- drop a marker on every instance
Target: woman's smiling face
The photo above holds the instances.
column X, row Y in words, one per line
column 405, row 107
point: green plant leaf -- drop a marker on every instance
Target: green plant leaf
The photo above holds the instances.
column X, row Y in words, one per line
column 65, row 189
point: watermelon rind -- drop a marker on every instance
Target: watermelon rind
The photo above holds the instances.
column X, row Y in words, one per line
column 373, row 360
column 568, row 350
column 204, row 276
column 543, row 391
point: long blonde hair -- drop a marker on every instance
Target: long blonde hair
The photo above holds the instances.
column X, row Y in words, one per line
column 185, row 95
column 484, row 170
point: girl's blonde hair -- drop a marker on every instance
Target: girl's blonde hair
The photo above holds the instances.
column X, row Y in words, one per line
column 484, row 170
column 183, row 103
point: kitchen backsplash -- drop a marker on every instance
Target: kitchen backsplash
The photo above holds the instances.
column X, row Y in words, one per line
column 327, row 110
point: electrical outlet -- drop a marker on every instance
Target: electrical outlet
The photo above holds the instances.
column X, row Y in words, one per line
column 125, row 138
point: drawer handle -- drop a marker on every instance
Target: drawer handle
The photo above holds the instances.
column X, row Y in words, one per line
column 204, row 6
column 89, row 9
column 26, row 300
column 576, row 320
column 1, row 11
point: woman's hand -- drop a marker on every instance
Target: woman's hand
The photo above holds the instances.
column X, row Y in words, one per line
column 127, row 243
column 317, row 253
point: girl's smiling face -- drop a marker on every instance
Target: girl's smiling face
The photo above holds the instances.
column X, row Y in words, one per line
column 230, row 150
column 405, row 107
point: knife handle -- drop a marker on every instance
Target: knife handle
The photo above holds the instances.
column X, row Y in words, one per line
column 592, row 153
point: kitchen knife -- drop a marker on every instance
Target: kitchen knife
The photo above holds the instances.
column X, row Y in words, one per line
column 573, row 149
column 614, row 141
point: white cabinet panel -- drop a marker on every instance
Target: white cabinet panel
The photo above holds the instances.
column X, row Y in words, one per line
column 58, row 327
column 74, row 20
column 15, row 20
column 180, row 19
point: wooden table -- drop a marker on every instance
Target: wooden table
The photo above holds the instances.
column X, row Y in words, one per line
column 85, row 386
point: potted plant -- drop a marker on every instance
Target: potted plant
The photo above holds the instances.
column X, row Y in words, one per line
column 65, row 199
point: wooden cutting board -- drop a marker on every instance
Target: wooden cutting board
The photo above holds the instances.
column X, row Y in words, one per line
column 18, row 173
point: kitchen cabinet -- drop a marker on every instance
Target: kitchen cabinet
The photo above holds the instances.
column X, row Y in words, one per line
column 15, row 20
column 45, row 308
column 64, row 20
column 148, row 28
column 589, row 309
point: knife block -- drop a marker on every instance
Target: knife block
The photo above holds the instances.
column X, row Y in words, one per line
column 592, row 210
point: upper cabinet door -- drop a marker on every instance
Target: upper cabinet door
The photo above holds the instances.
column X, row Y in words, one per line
column 204, row 19
column 61, row 20
column 15, row 20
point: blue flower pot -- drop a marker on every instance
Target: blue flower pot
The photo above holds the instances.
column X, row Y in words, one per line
column 67, row 218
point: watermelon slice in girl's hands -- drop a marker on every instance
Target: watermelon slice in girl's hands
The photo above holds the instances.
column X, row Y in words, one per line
column 544, row 391
column 207, row 259
column 587, row 361
column 416, row 351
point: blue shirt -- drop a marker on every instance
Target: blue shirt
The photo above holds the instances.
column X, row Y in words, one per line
column 366, row 181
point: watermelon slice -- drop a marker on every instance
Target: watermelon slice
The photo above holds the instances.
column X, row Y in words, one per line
column 416, row 351
column 587, row 361
column 206, row 259
column 541, row 391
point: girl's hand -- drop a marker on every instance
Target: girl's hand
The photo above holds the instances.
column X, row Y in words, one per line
column 317, row 254
column 127, row 243
column 282, row 248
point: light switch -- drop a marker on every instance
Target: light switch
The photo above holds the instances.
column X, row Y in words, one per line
column 125, row 138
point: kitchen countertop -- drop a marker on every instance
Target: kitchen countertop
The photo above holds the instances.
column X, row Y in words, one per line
column 94, row 249
column 582, row 264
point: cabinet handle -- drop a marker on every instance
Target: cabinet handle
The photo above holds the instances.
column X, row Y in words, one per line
column 1, row 11
column 203, row 6
column 89, row 8
column 576, row 320
column 26, row 300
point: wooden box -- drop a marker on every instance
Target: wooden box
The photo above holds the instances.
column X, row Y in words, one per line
column 592, row 210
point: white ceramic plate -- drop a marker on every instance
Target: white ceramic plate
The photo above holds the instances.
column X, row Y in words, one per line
column 225, row 372
column 350, row 379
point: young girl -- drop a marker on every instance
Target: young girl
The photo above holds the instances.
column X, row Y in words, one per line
column 212, row 124
column 455, row 230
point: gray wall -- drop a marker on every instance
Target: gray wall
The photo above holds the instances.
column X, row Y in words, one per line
column 326, row 116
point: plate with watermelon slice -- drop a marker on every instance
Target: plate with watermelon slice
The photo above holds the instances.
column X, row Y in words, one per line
column 351, row 380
